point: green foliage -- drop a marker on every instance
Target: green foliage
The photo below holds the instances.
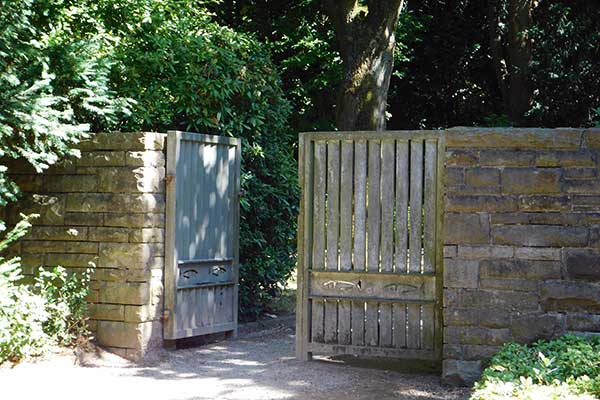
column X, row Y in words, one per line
column 567, row 366
column 34, row 318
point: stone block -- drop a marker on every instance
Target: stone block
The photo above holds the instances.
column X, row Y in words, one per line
column 514, row 138
column 461, row 372
column 509, row 300
column 542, row 203
column 124, row 293
column 538, row 218
column 102, row 159
column 592, row 138
column 461, row 273
column 531, row 180
column 540, row 235
column 69, row 260
column 109, row 234
column 51, row 209
column 520, row 269
column 124, row 334
column 481, row 203
column 522, row 285
column 502, row 158
column 466, row 229
column 587, row 186
column 129, row 255
column 583, row 322
column 583, row 264
column 476, row 335
column 538, row 253
column 147, row 235
column 28, row 183
column 477, row 317
column 470, row 352
column 52, row 246
column 482, row 177
column 107, row 312
column 565, row 159
column 485, row 251
column 527, row 328
column 84, row 219
column 450, row 251
column 577, row 296
column 115, row 202
column 63, row 233
column 581, row 173
column 142, row 313
column 461, row 158
column 128, row 180
column 110, row 275
column 145, row 158
column 71, row 183
column 454, row 176
column 128, row 141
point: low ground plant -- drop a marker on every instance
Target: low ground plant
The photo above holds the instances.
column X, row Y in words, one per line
column 564, row 368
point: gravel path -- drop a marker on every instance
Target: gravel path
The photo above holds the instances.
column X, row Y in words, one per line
column 257, row 365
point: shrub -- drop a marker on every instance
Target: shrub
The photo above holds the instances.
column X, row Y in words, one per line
column 568, row 367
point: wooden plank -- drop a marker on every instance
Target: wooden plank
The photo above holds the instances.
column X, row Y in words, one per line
column 402, row 189
column 430, row 206
column 385, row 325
column 236, row 234
column 413, row 334
column 428, row 319
column 416, row 209
column 372, row 324
column 374, row 206
column 333, row 233
column 387, row 234
column 318, row 225
column 360, row 205
column 363, row 351
column 358, row 323
column 415, row 287
column 399, row 317
column 205, row 330
column 439, row 260
column 375, row 135
column 345, row 307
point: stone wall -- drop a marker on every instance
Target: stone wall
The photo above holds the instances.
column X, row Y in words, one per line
column 108, row 209
column 522, row 240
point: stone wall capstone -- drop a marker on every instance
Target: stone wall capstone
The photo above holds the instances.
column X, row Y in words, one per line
column 106, row 208
column 521, row 240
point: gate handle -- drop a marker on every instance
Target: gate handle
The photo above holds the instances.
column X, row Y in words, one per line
column 218, row 270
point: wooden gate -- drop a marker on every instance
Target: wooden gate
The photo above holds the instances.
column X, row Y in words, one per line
column 202, row 225
column 370, row 262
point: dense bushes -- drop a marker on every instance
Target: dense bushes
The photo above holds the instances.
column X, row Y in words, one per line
column 568, row 367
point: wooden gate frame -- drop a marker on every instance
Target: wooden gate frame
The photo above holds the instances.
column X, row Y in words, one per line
column 304, row 236
column 171, row 263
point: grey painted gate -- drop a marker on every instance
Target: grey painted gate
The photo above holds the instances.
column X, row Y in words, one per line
column 201, row 266
column 369, row 274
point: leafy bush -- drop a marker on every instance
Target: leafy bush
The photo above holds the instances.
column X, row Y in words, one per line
column 33, row 318
column 568, row 367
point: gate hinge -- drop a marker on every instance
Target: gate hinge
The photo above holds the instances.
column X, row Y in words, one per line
column 169, row 179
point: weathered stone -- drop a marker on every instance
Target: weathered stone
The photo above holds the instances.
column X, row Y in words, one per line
column 128, row 180
column 592, row 138
column 28, row 183
column 579, row 296
column 142, row 313
column 117, row 203
column 109, row 234
column 540, row 235
column 531, row 180
column 71, row 183
column 528, row 328
column 480, row 203
column 476, row 335
column 581, row 173
column 76, row 233
column 124, row 293
column 101, row 159
column 107, row 312
column 544, row 203
column 482, row 177
column 485, row 251
column 537, row 253
column 52, row 246
column 583, row 264
column 449, row 251
column 110, row 275
column 71, row 260
column 128, row 141
column 461, row 273
column 514, row 138
column 129, row 255
column 124, row 334
column 520, row 269
column 147, row 235
column 582, row 186
column 565, row 159
column 470, row 351
column 135, row 220
column 501, row 158
column 538, row 218
column 525, row 285
column 461, row 372
column 478, row 317
column 461, row 158
column 84, row 218
column 492, row 299
column 455, row 176
column 145, row 158
column 583, row 322
column 466, row 229
column 51, row 209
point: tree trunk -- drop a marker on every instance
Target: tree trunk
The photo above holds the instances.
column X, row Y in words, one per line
column 366, row 37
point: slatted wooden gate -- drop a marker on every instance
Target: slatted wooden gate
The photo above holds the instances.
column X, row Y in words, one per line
column 369, row 275
column 201, row 265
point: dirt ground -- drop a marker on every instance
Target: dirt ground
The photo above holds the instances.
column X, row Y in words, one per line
column 259, row 364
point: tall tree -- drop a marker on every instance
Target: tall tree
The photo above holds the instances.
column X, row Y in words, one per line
column 511, row 51
column 366, row 36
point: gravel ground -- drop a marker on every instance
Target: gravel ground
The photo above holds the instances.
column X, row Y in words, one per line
column 257, row 365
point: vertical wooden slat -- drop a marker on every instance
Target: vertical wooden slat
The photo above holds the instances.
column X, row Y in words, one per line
column 416, row 210
column 402, row 188
column 399, row 316
column 413, row 334
column 318, row 252
column 371, row 324
column 428, row 327
column 345, row 307
column 387, row 235
column 333, row 232
column 359, row 254
column 429, row 236
column 374, row 206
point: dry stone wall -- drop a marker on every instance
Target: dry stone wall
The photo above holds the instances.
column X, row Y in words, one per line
column 106, row 208
column 521, row 240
